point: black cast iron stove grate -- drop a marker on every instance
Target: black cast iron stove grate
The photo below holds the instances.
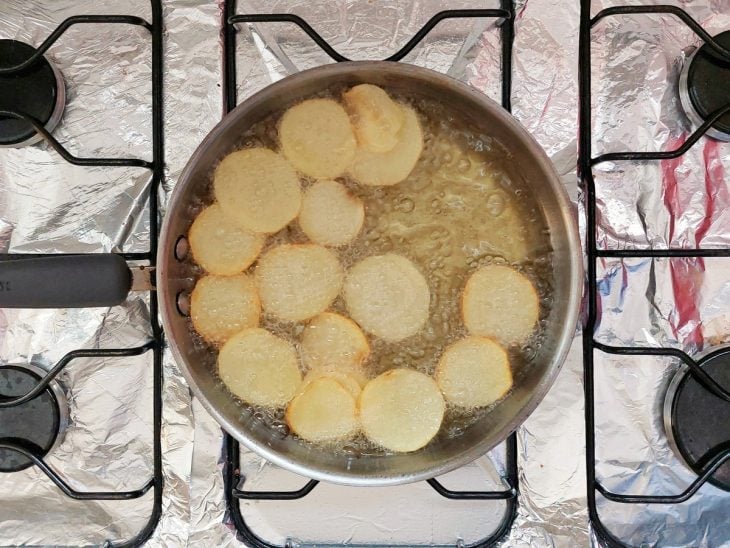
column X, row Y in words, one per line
column 231, row 471
column 155, row 483
column 706, row 466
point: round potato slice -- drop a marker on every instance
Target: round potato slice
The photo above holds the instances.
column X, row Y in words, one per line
column 351, row 379
column 500, row 302
column 257, row 189
column 323, row 411
column 330, row 215
column 297, row 282
column 317, row 138
column 376, row 118
column 331, row 339
column 223, row 305
column 387, row 296
column 220, row 246
column 394, row 166
column 474, row 372
column 401, row 410
column 260, row 368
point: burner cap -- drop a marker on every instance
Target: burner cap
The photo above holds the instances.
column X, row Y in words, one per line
column 704, row 87
column 38, row 423
column 37, row 91
column 696, row 420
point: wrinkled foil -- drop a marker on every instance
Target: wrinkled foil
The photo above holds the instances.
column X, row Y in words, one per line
column 678, row 303
column 47, row 205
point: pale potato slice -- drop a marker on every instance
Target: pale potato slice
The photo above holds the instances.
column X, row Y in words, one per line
column 500, row 302
column 223, row 305
column 257, row 189
column 401, row 410
column 474, row 372
column 317, row 138
column 331, row 339
column 323, row 411
column 376, row 118
column 387, row 296
column 349, row 377
column 330, row 215
column 297, row 282
column 394, row 166
column 260, row 368
column 221, row 246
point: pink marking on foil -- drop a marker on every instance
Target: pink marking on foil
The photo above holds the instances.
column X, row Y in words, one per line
column 717, row 197
column 685, row 273
column 670, row 187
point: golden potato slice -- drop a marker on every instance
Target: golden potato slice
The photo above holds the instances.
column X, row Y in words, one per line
column 260, row 368
column 221, row 246
column 330, row 215
column 387, row 296
column 394, row 166
column 297, row 282
column 257, row 189
column 323, row 411
column 401, row 410
column 376, row 118
column 500, row 302
column 317, row 138
column 331, row 339
column 474, row 372
column 223, row 305
column 349, row 377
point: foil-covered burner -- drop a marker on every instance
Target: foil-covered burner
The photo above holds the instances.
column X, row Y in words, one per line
column 697, row 422
column 37, row 91
column 37, row 425
column 704, row 87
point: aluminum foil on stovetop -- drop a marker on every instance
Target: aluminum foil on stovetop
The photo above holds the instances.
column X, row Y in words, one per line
column 678, row 303
column 46, row 205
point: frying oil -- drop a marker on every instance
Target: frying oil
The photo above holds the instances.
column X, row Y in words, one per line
column 462, row 207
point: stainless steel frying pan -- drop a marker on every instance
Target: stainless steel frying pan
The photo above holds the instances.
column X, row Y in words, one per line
column 104, row 280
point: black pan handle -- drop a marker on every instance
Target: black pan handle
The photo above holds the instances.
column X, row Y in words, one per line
column 64, row 281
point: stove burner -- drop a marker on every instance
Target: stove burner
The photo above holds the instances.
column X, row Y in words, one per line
column 696, row 420
column 38, row 424
column 37, row 91
column 704, row 88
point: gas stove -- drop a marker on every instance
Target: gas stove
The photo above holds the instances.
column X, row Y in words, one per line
column 101, row 105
